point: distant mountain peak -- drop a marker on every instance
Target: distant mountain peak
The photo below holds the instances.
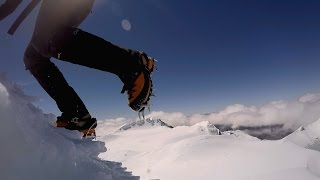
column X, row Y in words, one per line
column 145, row 122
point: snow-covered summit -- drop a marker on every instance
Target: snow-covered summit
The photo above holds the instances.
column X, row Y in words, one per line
column 144, row 123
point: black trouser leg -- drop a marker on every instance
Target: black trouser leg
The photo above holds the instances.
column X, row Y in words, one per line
column 55, row 35
column 80, row 47
column 53, row 18
column 53, row 82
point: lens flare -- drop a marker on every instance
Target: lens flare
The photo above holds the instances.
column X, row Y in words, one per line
column 126, row 25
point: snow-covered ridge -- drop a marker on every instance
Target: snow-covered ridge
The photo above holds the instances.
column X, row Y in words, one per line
column 271, row 132
column 204, row 126
column 308, row 136
column 144, row 123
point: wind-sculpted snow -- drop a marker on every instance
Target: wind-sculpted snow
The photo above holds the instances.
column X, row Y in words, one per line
column 32, row 149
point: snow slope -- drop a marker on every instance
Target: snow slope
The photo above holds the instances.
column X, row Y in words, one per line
column 198, row 152
column 31, row 149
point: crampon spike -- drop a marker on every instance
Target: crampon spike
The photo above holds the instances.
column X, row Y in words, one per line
column 89, row 133
column 141, row 114
column 155, row 67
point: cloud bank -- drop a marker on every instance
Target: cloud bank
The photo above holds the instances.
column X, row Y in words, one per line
column 292, row 114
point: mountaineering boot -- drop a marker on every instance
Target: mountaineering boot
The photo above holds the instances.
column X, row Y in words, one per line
column 138, row 84
column 85, row 124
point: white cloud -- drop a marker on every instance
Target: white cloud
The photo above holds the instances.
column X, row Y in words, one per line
column 309, row 98
column 176, row 118
column 292, row 114
column 110, row 125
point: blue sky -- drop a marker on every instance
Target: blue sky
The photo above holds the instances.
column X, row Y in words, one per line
column 211, row 53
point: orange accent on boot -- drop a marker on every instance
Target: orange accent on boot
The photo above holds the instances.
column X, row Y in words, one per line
column 137, row 87
column 61, row 123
